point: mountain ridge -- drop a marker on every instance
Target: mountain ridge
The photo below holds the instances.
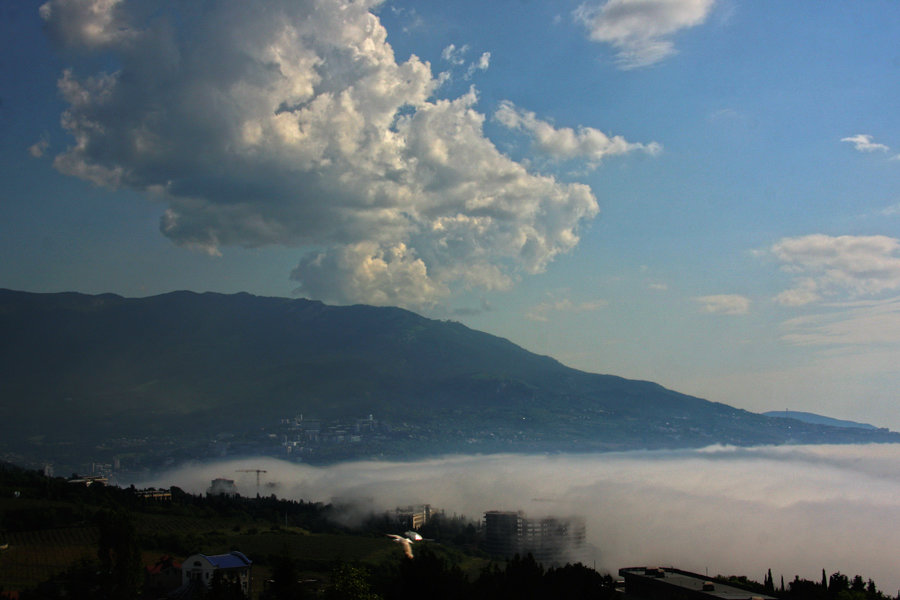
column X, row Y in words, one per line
column 79, row 367
column 808, row 417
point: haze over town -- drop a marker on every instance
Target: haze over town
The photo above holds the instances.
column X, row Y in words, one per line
column 725, row 510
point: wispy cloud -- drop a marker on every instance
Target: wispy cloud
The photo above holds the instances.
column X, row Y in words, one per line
column 726, row 114
column 542, row 311
column 455, row 55
column 863, row 324
column 891, row 211
column 863, row 143
column 38, row 149
column 827, row 266
column 482, row 64
column 640, row 30
column 411, row 19
column 724, row 304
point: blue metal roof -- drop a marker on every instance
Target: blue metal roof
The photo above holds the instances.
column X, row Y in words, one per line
column 229, row 561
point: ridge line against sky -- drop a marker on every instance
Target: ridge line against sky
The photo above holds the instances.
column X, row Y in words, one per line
column 702, row 193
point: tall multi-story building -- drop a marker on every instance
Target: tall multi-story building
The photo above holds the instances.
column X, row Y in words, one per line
column 414, row 516
column 551, row 540
column 222, row 487
column 502, row 532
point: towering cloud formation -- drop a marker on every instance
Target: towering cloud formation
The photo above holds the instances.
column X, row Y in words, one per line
column 291, row 122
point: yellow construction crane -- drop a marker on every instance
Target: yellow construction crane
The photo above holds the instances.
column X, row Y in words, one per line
column 257, row 471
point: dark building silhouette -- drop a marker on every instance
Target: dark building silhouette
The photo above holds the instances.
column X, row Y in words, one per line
column 502, row 531
column 222, row 487
column 551, row 540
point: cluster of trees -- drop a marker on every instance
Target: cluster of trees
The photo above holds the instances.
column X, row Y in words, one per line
column 431, row 575
column 835, row 587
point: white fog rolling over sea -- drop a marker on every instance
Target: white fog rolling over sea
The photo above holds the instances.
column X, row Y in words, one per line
column 794, row 509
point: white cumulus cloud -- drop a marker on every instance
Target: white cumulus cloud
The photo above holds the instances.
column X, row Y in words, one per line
column 566, row 143
column 827, row 266
column 293, row 123
column 86, row 23
column 640, row 30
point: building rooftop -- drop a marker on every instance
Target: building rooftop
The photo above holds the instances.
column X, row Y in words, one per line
column 692, row 582
column 229, row 561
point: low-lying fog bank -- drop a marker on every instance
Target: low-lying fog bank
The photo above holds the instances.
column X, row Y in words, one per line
column 796, row 509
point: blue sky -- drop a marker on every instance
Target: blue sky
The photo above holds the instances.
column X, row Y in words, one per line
column 702, row 193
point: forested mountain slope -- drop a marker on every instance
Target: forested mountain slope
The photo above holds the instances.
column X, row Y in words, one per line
column 188, row 364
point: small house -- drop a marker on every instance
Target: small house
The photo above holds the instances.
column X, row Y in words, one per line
column 233, row 567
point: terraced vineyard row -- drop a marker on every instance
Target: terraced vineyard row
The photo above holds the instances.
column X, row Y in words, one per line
column 35, row 556
column 163, row 524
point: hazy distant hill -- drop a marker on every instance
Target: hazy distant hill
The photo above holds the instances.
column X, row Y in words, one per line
column 808, row 417
column 75, row 367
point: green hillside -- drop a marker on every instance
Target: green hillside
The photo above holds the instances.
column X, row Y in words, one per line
column 79, row 369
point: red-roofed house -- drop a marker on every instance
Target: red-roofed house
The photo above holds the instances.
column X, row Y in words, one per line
column 162, row 576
